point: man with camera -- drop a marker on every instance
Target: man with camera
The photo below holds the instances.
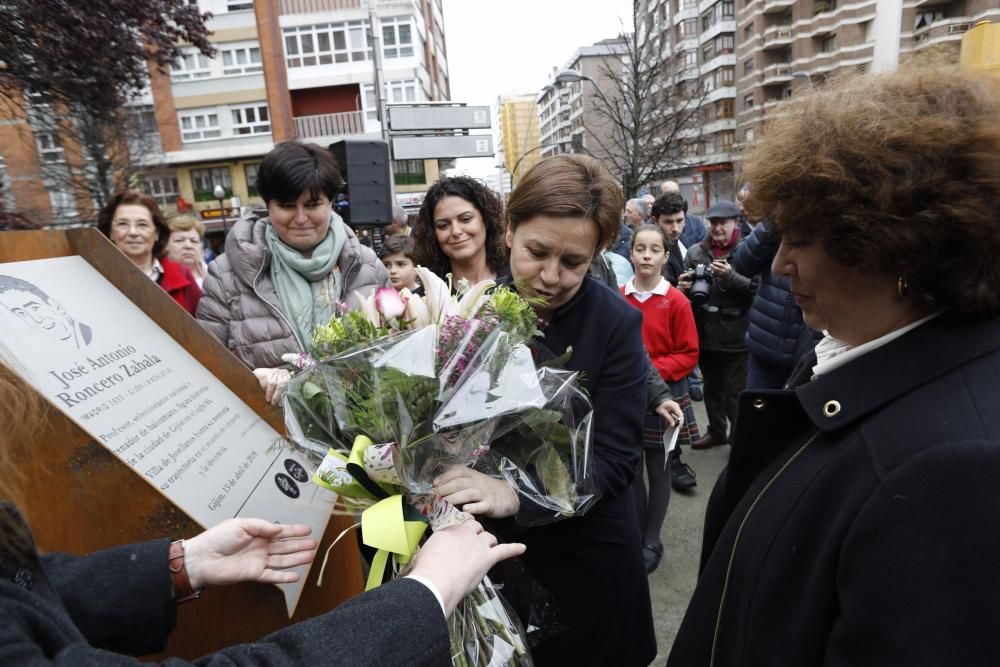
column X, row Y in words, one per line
column 721, row 299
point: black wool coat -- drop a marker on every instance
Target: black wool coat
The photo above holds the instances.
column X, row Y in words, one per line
column 858, row 522
column 592, row 565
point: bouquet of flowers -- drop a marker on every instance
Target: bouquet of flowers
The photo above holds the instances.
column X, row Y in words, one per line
column 397, row 392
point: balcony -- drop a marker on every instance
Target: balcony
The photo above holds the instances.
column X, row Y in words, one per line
column 317, row 6
column 330, row 125
column 777, row 37
column 776, row 6
column 776, row 74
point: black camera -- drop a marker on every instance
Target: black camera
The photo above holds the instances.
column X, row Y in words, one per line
column 701, row 284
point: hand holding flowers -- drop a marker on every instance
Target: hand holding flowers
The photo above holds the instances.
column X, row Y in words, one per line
column 476, row 493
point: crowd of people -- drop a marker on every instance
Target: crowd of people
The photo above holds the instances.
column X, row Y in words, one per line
column 839, row 320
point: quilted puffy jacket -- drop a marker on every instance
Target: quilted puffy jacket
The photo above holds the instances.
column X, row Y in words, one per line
column 241, row 307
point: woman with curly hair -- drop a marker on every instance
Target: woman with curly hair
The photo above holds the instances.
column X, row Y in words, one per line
column 856, row 523
column 459, row 230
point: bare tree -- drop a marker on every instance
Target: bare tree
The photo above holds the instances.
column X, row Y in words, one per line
column 71, row 68
column 648, row 120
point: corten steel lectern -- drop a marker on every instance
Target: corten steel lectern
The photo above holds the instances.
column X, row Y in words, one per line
column 74, row 487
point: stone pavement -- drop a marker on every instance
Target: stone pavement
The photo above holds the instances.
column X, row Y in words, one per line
column 673, row 582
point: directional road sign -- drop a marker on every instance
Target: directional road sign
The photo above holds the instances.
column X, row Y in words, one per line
column 408, row 117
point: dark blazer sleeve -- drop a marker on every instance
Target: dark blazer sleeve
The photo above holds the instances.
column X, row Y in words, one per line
column 120, row 598
column 400, row 623
column 917, row 582
column 619, row 399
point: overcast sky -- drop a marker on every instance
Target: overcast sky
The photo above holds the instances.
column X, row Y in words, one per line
column 504, row 46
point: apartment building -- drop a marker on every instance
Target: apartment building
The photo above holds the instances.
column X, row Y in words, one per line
column 696, row 40
column 284, row 69
column 519, row 137
column 568, row 119
column 785, row 44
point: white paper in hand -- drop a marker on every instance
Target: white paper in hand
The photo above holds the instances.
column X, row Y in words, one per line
column 670, row 441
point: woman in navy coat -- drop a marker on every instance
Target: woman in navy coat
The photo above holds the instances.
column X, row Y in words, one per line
column 857, row 521
column 562, row 213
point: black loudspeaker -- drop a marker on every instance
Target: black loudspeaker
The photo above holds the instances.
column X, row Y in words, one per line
column 364, row 164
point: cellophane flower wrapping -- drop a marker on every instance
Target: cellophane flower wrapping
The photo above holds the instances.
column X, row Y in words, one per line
column 463, row 390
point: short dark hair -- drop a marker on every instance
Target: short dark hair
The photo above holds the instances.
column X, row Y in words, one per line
column 669, row 204
column 651, row 228
column 569, row 186
column 897, row 174
column 397, row 244
column 135, row 198
column 12, row 284
column 426, row 250
column 292, row 168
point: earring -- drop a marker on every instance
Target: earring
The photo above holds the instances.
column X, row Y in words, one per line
column 902, row 287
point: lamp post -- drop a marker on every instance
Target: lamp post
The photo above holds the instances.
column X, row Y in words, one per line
column 572, row 76
column 220, row 194
column 513, row 172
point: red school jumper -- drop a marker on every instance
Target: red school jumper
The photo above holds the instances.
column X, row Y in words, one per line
column 668, row 329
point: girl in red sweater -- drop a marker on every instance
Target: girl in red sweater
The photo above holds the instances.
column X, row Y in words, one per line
column 669, row 333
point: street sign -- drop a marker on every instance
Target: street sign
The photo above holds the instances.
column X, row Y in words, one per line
column 441, row 147
column 407, row 117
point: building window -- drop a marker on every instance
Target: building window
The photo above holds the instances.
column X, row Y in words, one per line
column 62, row 202
column 191, row 65
column 727, row 75
column 687, row 28
column 726, row 109
column 408, row 172
column 205, row 180
column 311, row 45
column 748, row 67
column 200, row 125
column 250, row 171
column 824, row 6
column 748, row 31
column 724, row 43
column 728, row 9
column 142, row 120
column 237, row 5
column 749, row 134
column 724, row 140
column 748, row 102
column 6, row 196
column 161, row 187
column 708, row 51
column 252, row 119
column 50, row 151
column 241, row 60
column 397, row 38
column 828, row 44
column 925, row 18
column 397, row 92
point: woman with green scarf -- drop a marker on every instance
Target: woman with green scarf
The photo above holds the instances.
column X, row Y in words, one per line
column 285, row 271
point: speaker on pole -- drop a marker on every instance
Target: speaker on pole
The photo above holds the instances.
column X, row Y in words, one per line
column 364, row 164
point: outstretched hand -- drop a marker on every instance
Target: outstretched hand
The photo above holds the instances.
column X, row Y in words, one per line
column 476, row 493
column 247, row 550
column 457, row 558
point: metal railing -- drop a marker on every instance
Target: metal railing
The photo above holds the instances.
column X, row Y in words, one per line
column 330, row 124
column 315, row 6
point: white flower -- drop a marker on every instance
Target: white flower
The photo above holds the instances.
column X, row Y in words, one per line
column 368, row 308
column 474, row 299
column 415, row 314
column 437, row 295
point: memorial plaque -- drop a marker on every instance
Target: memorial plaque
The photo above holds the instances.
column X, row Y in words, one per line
column 123, row 364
